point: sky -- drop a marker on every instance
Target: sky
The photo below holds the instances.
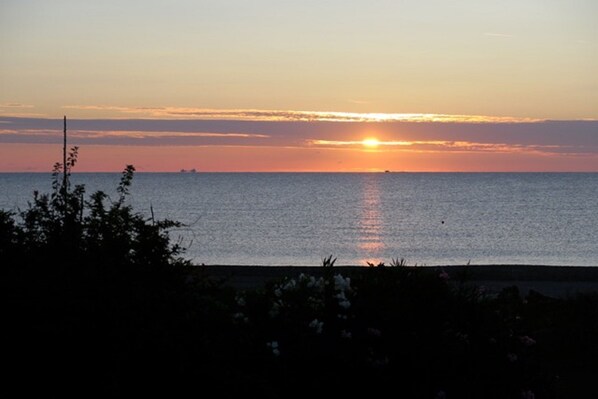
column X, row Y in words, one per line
column 234, row 85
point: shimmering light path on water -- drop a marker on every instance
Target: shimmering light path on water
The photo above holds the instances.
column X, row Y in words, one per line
column 298, row 218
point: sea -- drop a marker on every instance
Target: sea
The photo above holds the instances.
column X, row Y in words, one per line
column 299, row 218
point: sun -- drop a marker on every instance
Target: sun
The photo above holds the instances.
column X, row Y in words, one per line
column 370, row 142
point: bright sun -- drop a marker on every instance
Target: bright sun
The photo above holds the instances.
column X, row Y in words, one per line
column 370, row 142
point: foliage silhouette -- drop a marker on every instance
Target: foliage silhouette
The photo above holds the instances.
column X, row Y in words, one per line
column 65, row 227
column 98, row 302
column 78, row 270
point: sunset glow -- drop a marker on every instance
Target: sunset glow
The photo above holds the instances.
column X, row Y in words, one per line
column 409, row 85
column 177, row 179
column 371, row 142
column 222, row 145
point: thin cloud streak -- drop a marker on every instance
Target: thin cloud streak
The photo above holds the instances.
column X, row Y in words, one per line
column 108, row 137
column 145, row 134
column 294, row 116
column 436, row 146
column 18, row 110
column 549, row 145
column 15, row 105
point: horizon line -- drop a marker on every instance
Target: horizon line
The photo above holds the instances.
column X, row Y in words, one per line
column 199, row 172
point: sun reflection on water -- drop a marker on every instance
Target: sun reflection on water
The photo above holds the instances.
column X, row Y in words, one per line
column 370, row 222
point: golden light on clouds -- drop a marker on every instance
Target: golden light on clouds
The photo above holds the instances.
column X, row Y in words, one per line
column 170, row 145
column 369, row 142
column 437, row 146
column 114, row 111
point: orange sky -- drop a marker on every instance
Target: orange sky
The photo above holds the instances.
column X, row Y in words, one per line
column 40, row 158
column 265, row 85
column 314, row 146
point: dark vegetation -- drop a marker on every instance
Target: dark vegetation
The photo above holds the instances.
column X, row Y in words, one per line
column 97, row 302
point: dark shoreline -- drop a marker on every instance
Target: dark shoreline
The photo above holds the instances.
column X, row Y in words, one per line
column 549, row 280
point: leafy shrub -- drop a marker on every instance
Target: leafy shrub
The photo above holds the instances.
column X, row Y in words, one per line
column 65, row 228
column 87, row 280
column 98, row 302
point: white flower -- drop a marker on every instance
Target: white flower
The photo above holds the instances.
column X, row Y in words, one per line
column 462, row 336
column 315, row 283
column 346, row 334
column 379, row 362
column 240, row 317
column 274, row 346
column 342, row 316
column 343, row 302
column 317, row 325
column 374, row 332
column 440, row 395
column 314, row 302
column 527, row 341
column 291, row 284
column 275, row 311
column 240, row 300
column 278, row 292
column 341, row 283
column 312, row 282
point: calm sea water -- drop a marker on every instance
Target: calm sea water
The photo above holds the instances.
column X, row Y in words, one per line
column 299, row 218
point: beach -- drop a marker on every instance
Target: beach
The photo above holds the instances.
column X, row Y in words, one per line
column 553, row 281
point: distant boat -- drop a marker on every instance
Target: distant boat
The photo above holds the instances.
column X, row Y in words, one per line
column 387, row 171
column 188, row 170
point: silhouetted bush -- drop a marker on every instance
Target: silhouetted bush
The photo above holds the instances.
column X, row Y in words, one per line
column 97, row 302
column 87, row 281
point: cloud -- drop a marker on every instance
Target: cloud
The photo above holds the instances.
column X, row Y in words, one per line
column 574, row 138
column 110, row 137
column 15, row 105
column 16, row 109
column 23, row 115
column 144, row 134
column 434, row 146
column 294, row 116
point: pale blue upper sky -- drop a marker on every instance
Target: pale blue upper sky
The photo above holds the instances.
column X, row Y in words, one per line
column 521, row 58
